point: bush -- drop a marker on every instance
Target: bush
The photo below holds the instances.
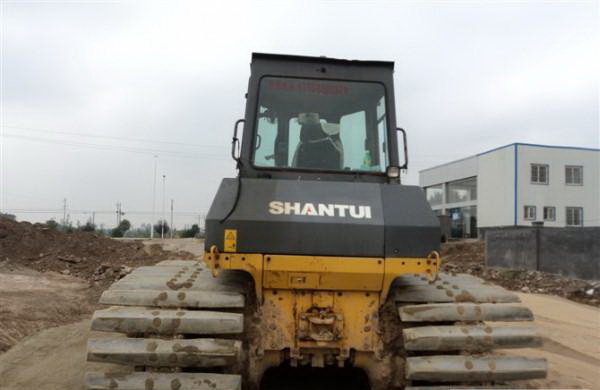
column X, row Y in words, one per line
column 88, row 227
column 116, row 232
column 191, row 232
column 120, row 230
column 52, row 224
column 124, row 225
column 160, row 225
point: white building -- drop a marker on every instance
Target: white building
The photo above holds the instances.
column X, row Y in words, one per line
column 515, row 185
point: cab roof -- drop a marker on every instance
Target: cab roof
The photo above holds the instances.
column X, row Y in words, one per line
column 320, row 59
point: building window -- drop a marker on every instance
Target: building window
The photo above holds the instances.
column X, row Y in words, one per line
column 549, row 213
column 461, row 190
column 435, row 195
column 539, row 173
column 574, row 216
column 574, row 175
column 529, row 213
column 463, row 222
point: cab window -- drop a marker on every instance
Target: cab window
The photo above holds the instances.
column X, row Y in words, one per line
column 321, row 125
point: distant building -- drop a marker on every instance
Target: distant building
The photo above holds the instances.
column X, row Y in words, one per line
column 516, row 185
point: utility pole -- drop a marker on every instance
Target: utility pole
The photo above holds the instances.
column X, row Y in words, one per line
column 162, row 224
column 171, row 218
column 64, row 211
column 153, row 200
column 94, row 218
column 120, row 212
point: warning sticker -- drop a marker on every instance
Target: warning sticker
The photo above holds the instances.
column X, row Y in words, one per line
column 230, row 240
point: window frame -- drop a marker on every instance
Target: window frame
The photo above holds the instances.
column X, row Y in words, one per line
column 580, row 210
column 553, row 208
column 448, row 189
column 319, row 171
column 580, row 167
column 525, row 217
column 539, row 165
column 439, row 186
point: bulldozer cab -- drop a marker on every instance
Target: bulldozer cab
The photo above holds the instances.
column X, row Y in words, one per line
column 315, row 117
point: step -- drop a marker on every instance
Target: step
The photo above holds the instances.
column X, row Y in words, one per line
column 202, row 282
column 169, row 268
column 162, row 381
column 165, row 271
column 432, row 294
column 442, row 278
column 178, row 263
column 464, row 312
column 164, row 353
column 173, row 299
column 470, row 338
column 474, row 369
column 166, row 321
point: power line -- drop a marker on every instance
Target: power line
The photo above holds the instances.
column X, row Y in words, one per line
column 112, row 212
column 119, row 148
column 110, row 137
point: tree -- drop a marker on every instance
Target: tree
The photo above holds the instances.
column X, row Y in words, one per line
column 160, row 225
column 116, row 232
column 88, row 227
column 120, row 230
column 124, row 225
column 52, row 224
column 191, row 232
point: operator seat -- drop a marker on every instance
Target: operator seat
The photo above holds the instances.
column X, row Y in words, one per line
column 318, row 149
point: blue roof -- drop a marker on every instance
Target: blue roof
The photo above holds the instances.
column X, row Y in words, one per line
column 541, row 146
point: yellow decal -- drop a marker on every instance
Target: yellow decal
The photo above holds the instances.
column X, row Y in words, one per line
column 230, row 241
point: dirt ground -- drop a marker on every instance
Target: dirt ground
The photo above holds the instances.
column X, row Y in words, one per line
column 571, row 335
column 54, row 358
column 31, row 301
column 50, row 278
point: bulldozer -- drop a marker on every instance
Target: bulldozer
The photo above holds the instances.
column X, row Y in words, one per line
column 316, row 255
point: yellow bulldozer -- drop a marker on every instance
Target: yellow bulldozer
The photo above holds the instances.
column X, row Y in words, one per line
column 316, row 255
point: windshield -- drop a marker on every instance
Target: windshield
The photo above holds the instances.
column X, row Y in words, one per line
column 321, row 125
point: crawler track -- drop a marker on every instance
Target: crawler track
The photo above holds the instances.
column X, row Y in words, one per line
column 173, row 327
column 450, row 329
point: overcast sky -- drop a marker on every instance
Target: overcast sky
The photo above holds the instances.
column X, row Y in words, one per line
column 91, row 90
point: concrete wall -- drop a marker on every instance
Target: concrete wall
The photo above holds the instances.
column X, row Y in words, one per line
column 495, row 187
column 574, row 252
column 556, row 193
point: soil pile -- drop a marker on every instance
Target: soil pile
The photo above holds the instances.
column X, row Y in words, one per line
column 32, row 297
column 85, row 255
column 469, row 257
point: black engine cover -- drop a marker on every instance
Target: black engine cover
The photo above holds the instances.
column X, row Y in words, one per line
column 319, row 218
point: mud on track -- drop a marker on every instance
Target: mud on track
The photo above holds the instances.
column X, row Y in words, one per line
column 55, row 358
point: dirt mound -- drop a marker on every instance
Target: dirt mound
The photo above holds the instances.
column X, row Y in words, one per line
column 469, row 257
column 84, row 255
column 50, row 278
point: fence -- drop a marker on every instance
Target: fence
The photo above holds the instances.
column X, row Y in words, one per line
column 572, row 252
